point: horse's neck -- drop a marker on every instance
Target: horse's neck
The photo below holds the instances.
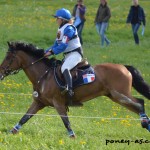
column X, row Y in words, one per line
column 35, row 71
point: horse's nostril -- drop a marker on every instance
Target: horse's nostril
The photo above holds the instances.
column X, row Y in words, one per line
column 1, row 77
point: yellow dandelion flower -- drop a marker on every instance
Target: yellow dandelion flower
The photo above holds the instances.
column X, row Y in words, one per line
column 1, row 95
column 2, row 103
column 115, row 114
column 102, row 119
column 97, row 123
column 82, row 142
column 61, row 142
column 123, row 121
column 20, row 133
column 12, row 105
column 128, row 124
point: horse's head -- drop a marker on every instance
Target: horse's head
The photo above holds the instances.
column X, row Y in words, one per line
column 22, row 56
column 10, row 64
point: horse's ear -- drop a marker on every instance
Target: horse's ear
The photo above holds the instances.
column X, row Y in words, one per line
column 8, row 43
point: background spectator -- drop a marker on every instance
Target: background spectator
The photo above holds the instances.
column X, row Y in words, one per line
column 135, row 17
column 101, row 20
column 79, row 14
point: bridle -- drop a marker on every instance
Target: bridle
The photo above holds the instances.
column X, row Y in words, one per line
column 8, row 71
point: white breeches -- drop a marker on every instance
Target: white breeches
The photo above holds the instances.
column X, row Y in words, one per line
column 71, row 60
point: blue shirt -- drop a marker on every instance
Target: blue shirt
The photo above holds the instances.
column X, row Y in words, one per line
column 69, row 32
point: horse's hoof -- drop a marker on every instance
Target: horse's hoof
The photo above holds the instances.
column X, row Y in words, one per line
column 145, row 123
column 71, row 134
column 13, row 131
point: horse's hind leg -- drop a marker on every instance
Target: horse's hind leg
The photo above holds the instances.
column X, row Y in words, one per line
column 34, row 108
column 129, row 102
column 134, row 104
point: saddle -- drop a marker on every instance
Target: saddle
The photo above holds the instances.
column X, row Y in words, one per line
column 82, row 74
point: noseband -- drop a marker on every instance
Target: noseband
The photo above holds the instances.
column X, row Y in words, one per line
column 7, row 70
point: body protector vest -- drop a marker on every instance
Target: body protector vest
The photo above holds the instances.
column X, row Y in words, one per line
column 73, row 43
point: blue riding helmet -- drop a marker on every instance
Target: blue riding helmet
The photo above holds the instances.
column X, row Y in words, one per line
column 63, row 14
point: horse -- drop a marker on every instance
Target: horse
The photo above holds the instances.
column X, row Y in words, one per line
column 114, row 81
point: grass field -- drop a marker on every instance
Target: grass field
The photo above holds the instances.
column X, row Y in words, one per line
column 100, row 121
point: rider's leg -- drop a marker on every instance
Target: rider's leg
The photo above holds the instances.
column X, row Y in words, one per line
column 70, row 61
column 68, row 80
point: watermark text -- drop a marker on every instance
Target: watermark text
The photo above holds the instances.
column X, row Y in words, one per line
column 128, row 142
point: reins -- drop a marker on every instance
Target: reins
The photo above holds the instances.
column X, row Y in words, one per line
column 32, row 63
column 35, row 63
column 37, row 60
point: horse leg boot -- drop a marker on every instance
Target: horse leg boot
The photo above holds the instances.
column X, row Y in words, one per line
column 145, row 121
column 34, row 108
column 68, row 80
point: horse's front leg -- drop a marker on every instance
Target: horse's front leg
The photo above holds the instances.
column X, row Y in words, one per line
column 34, row 108
column 62, row 111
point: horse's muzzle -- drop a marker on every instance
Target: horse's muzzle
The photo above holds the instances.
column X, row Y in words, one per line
column 1, row 76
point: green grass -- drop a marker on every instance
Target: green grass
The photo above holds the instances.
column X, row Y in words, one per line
column 31, row 21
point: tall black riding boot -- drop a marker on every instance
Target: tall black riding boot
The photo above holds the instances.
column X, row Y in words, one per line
column 68, row 80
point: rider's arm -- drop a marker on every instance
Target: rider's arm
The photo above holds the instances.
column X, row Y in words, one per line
column 50, row 48
column 69, row 33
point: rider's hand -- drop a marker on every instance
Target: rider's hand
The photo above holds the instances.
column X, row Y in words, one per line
column 48, row 53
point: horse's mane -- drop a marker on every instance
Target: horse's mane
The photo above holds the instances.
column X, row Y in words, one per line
column 31, row 50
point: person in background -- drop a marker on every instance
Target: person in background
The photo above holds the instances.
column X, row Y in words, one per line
column 79, row 15
column 135, row 17
column 68, row 43
column 101, row 21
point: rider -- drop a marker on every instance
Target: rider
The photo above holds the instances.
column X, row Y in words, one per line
column 68, row 43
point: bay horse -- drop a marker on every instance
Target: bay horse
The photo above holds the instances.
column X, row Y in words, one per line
column 112, row 80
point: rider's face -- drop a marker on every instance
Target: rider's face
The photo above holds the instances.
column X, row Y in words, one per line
column 59, row 21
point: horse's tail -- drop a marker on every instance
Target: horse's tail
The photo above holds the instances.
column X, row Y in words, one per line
column 138, row 82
